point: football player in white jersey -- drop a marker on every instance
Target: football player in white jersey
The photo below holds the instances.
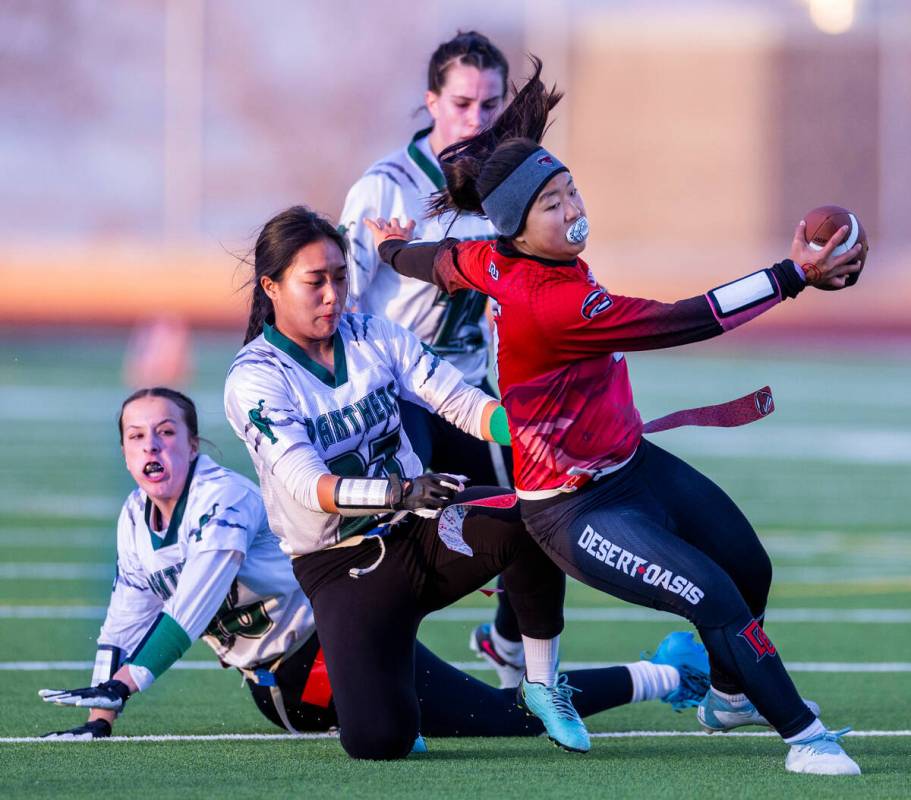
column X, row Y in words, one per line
column 195, row 558
column 314, row 395
column 466, row 87
column 193, row 541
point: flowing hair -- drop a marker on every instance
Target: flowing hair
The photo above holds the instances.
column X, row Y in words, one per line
column 277, row 244
column 475, row 167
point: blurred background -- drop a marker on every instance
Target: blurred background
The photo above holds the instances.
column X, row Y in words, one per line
column 143, row 142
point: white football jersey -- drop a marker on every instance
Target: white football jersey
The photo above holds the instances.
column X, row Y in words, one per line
column 265, row 613
column 399, row 186
column 289, row 410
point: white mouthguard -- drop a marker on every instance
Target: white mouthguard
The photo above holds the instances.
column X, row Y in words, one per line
column 578, row 231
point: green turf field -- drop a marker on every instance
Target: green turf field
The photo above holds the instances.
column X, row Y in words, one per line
column 825, row 480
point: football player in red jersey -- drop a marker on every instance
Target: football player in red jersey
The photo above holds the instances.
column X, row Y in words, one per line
column 612, row 509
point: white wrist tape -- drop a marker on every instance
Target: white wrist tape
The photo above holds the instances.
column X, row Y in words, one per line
column 742, row 294
column 361, row 496
column 107, row 662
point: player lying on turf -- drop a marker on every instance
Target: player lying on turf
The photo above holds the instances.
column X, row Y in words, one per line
column 612, row 509
column 195, row 557
column 467, row 78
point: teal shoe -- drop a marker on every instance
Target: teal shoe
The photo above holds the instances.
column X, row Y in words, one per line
column 681, row 651
column 419, row 747
column 717, row 715
column 821, row 755
column 554, row 707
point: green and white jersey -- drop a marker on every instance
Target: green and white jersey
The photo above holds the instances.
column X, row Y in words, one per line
column 398, row 186
column 300, row 421
column 248, row 615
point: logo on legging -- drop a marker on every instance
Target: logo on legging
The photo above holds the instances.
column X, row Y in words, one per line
column 756, row 638
column 630, row 564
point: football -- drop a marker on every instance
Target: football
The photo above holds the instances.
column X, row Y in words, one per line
column 822, row 222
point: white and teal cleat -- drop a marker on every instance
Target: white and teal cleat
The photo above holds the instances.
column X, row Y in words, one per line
column 554, row 707
column 821, row 755
column 681, row 651
column 717, row 715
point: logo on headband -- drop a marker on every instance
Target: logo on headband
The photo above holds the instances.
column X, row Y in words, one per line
column 545, row 161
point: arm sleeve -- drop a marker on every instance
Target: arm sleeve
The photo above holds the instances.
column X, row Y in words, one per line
column 372, row 196
column 203, row 585
column 450, row 264
column 582, row 320
column 263, row 414
column 132, row 607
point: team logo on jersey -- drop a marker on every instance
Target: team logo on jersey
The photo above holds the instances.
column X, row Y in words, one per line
column 203, row 521
column 493, row 271
column 621, row 559
column 756, row 638
column 595, row 302
column 545, row 161
column 765, row 405
column 209, row 516
column 261, row 422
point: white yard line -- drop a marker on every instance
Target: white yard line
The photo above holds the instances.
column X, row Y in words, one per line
column 58, row 506
column 483, row 666
column 271, row 737
column 57, row 571
column 42, row 540
column 885, row 616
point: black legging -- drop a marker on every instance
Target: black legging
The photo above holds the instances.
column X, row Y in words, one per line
column 658, row 533
column 442, row 447
column 452, row 702
column 368, row 626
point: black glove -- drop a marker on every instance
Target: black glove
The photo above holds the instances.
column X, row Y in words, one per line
column 96, row 729
column 111, row 695
column 431, row 491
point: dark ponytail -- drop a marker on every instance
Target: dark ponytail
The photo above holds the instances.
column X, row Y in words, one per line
column 276, row 246
column 475, row 167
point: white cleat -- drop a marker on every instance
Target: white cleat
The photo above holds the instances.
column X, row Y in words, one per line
column 821, row 755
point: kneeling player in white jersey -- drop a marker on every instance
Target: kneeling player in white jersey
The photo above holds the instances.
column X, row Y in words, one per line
column 196, row 557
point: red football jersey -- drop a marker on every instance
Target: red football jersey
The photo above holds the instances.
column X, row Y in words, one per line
column 560, row 344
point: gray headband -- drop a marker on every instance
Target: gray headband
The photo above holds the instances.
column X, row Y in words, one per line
column 508, row 204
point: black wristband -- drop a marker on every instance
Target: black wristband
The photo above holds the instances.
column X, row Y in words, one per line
column 117, row 687
column 788, row 278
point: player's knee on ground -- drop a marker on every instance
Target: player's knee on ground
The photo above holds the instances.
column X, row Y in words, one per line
column 380, row 741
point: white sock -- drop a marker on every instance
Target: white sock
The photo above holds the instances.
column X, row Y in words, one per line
column 815, row 728
column 541, row 660
column 736, row 700
column 651, row 681
column 510, row 650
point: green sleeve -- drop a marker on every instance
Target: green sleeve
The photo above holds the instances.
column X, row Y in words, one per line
column 165, row 644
